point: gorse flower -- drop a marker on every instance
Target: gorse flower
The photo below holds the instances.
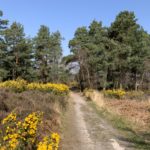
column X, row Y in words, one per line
column 20, row 85
column 13, row 140
column 18, row 134
column 55, row 140
column 9, row 118
column 119, row 93
column 49, row 143
column 51, row 87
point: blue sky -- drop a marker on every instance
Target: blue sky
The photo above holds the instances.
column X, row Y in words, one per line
column 67, row 15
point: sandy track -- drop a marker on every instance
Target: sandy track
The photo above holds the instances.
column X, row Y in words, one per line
column 85, row 130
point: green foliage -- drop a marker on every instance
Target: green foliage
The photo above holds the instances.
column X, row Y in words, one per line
column 3, row 26
column 37, row 59
column 114, row 57
column 89, row 47
column 48, row 53
column 132, row 49
column 107, row 58
column 18, row 58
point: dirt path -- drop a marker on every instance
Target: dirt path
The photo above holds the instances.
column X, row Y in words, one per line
column 85, row 130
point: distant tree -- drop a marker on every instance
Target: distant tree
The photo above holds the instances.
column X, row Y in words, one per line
column 42, row 53
column 90, row 48
column 48, row 54
column 56, row 56
column 18, row 52
column 114, row 57
column 79, row 48
column 132, row 48
column 3, row 26
column 98, row 53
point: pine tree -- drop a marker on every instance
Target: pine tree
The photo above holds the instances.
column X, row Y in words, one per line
column 48, row 53
column 56, row 55
column 18, row 52
column 98, row 54
column 131, row 50
column 3, row 26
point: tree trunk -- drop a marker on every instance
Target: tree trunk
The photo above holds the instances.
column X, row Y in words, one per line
column 88, row 77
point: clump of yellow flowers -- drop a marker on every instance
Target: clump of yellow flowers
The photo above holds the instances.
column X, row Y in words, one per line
column 49, row 87
column 49, row 142
column 20, row 85
column 9, row 118
column 18, row 135
column 118, row 93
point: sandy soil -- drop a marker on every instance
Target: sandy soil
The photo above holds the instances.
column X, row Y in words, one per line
column 85, row 130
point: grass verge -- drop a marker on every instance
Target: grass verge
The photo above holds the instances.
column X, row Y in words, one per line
column 140, row 140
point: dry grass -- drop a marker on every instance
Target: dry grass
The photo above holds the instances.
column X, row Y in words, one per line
column 130, row 116
column 32, row 101
column 95, row 96
column 135, row 111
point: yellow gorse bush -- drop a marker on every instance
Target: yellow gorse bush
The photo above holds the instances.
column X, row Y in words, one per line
column 20, row 85
column 119, row 93
column 9, row 118
column 60, row 88
column 49, row 142
column 19, row 134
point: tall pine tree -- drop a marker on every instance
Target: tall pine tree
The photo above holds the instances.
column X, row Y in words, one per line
column 48, row 53
column 3, row 26
column 18, row 52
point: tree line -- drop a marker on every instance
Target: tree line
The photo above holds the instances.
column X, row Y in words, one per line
column 107, row 57
column 112, row 57
column 33, row 59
